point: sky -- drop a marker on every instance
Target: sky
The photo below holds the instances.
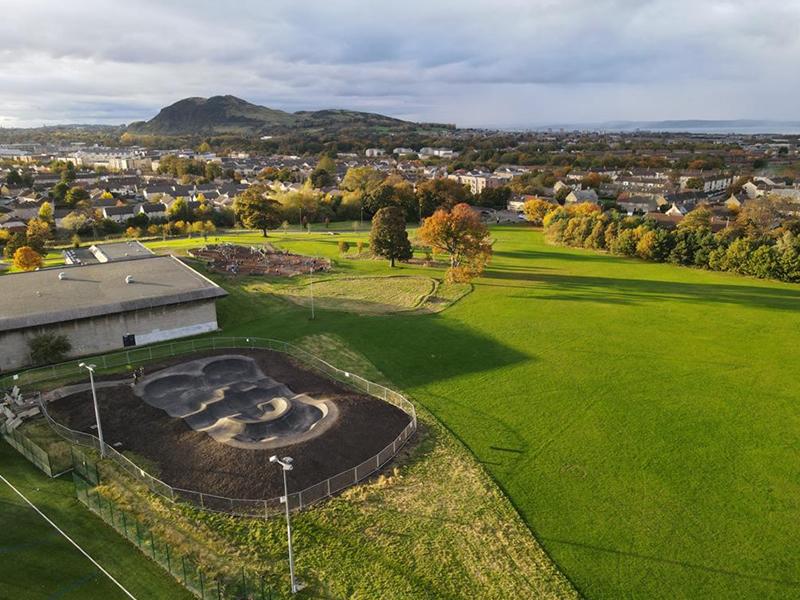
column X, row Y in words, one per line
column 501, row 63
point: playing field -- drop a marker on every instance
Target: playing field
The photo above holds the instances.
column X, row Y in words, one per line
column 36, row 562
column 642, row 417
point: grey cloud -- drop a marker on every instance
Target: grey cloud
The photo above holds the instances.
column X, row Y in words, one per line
column 470, row 62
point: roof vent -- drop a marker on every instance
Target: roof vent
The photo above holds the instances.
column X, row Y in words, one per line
column 129, row 279
column 62, row 276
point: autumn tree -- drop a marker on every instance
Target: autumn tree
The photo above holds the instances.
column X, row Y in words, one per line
column 256, row 210
column 699, row 218
column 389, row 237
column 27, row 259
column 39, row 229
column 46, row 213
column 759, row 217
column 535, row 210
column 460, row 233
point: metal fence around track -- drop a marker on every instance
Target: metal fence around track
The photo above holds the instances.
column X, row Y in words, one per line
column 109, row 363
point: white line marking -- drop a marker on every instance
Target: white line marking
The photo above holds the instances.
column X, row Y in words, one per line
column 69, row 539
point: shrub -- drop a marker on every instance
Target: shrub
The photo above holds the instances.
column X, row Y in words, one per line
column 48, row 348
column 344, row 247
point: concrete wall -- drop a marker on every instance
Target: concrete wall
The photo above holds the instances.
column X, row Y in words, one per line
column 104, row 334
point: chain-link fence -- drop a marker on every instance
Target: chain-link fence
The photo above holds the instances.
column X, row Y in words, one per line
column 245, row 584
column 51, row 465
column 251, row 507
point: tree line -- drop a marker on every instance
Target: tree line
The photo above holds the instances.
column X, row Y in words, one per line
column 760, row 241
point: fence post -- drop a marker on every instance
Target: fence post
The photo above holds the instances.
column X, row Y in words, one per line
column 153, row 544
column 169, row 563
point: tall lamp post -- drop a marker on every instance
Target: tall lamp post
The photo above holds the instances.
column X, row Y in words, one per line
column 91, row 369
column 286, row 465
column 311, row 286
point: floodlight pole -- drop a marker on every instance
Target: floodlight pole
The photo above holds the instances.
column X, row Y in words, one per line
column 91, row 368
column 286, row 465
column 311, row 286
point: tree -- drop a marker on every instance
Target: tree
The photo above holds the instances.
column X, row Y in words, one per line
column 536, row 209
column 27, row 259
column 389, row 237
column 440, row 193
column 324, row 174
column 256, row 210
column 759, row 217
column 495, row 197
column 655, row 244
column 49, row 348
column 46, row 213
column 74, row 221
column 694, row 183
column 59, row 191
column 699, row 218
column 362, row 179
column 180, row 210
column 13, row 177
column 74, row 195
column 460, row 233
column 39, row 229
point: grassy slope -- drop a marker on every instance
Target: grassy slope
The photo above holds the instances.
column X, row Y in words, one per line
column 39, row 563
column 641, row 416
column 434, row 527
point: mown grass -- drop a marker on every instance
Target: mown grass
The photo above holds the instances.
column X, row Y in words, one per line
column 365, row 295
column 640, row 416
column 37, row 563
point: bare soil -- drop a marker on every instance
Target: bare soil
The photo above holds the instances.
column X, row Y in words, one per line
column 192, row 460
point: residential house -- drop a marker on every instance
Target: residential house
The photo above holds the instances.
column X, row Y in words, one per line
column 580, row 196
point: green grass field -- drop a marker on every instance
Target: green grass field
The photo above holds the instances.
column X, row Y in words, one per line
column 38, row 563
column 642, row 417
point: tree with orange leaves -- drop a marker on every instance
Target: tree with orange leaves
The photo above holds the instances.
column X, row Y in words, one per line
column 460, row 233
column 27, row 259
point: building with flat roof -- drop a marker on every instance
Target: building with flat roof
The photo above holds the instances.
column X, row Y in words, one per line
column 105, row 306
column 109, row 252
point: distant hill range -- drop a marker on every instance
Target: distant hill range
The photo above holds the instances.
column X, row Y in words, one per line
column 221, row 115
column 745, row 126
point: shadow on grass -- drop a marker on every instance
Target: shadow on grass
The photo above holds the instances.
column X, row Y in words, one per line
column 612, row 290
column 573, row 254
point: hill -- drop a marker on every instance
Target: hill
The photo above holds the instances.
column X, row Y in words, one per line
column 231, row 115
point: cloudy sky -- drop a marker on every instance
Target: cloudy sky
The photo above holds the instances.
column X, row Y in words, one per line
column 473, row 63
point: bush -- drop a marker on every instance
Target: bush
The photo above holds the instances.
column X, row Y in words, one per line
column 344, row 247
column 49, row 348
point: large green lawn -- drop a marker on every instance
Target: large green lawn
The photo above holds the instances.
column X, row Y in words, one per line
column 643, row 418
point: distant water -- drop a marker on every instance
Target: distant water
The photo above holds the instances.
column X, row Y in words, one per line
column 743, row 127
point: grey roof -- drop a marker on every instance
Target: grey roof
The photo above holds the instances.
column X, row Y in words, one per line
column 40, row 298
column 114, row 251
